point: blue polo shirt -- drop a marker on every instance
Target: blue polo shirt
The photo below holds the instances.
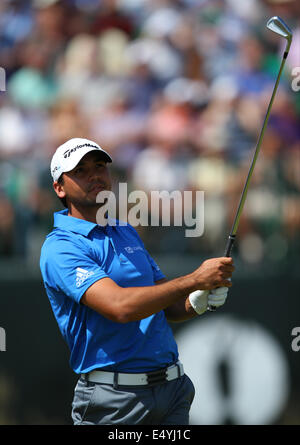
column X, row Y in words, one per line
column 76, row 254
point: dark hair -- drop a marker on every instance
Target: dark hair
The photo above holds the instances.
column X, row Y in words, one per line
column 62, row 200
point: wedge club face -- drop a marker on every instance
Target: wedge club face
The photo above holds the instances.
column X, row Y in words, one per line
column 277, row 25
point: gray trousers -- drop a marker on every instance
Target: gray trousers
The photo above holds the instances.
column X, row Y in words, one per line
column 162, row 404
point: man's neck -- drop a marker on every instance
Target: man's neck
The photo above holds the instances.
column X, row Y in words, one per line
column 88, row 214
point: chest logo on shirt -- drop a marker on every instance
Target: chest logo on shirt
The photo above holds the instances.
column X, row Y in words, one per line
column 133, row 249
column 82, row 275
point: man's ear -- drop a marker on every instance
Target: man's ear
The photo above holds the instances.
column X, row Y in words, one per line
column 59, row 189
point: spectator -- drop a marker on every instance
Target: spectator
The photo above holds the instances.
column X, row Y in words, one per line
column 175, row 90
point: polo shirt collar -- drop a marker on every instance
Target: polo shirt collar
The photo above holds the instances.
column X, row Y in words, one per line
column 63, row 221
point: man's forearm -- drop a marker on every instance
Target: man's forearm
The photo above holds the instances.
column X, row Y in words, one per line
column 180, row 311
column 125, row 304
column 140, row 302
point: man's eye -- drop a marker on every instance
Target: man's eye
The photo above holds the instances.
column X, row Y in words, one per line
column 78, row 170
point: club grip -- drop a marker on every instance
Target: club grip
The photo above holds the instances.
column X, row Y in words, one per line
column 227, row 253
column 229, row 245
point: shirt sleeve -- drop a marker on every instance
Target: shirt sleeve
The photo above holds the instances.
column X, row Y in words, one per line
column 69, row 267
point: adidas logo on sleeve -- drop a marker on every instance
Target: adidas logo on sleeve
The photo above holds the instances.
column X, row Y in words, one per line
column 82, row 275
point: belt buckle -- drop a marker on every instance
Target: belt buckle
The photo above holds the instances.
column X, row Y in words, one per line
column 155, row 377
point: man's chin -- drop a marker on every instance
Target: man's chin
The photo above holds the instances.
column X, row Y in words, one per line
column 89, row 202
column 93, row 204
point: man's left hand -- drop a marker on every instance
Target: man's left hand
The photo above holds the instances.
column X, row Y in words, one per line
column 217, row 297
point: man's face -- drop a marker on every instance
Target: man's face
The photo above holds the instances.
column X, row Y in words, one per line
column 82, row 184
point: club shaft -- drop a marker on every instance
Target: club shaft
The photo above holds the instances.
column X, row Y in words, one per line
column 256, row 153
column 232, row 235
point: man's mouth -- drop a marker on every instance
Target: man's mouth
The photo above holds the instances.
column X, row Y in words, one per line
column 97, row 188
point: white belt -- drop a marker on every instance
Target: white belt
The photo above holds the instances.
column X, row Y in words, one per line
column 149, row 378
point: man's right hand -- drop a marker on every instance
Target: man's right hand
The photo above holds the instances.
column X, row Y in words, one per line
column 213, row 273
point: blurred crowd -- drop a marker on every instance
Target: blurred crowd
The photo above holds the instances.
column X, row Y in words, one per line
column 176, row 91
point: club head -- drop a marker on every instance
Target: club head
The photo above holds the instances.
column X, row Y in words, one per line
column 277, row 25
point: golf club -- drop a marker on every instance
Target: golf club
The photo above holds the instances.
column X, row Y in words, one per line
column 277, row 25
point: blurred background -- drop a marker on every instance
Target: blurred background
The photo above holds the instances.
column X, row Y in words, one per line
column 176, row 91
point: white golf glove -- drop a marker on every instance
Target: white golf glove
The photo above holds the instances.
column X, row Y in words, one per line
column 217, row 297
column 201, row 299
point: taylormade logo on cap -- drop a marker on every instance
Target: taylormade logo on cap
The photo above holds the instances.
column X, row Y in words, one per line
column 68, row 155
column 69, row 151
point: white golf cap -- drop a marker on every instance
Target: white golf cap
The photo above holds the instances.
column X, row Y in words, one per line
column 70, row 153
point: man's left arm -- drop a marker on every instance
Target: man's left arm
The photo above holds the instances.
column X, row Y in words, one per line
column 194, row 304
column 181, row 310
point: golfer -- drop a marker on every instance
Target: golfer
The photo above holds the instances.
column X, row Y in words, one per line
column 112, row 303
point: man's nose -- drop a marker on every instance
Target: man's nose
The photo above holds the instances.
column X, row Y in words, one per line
column 93, row 173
